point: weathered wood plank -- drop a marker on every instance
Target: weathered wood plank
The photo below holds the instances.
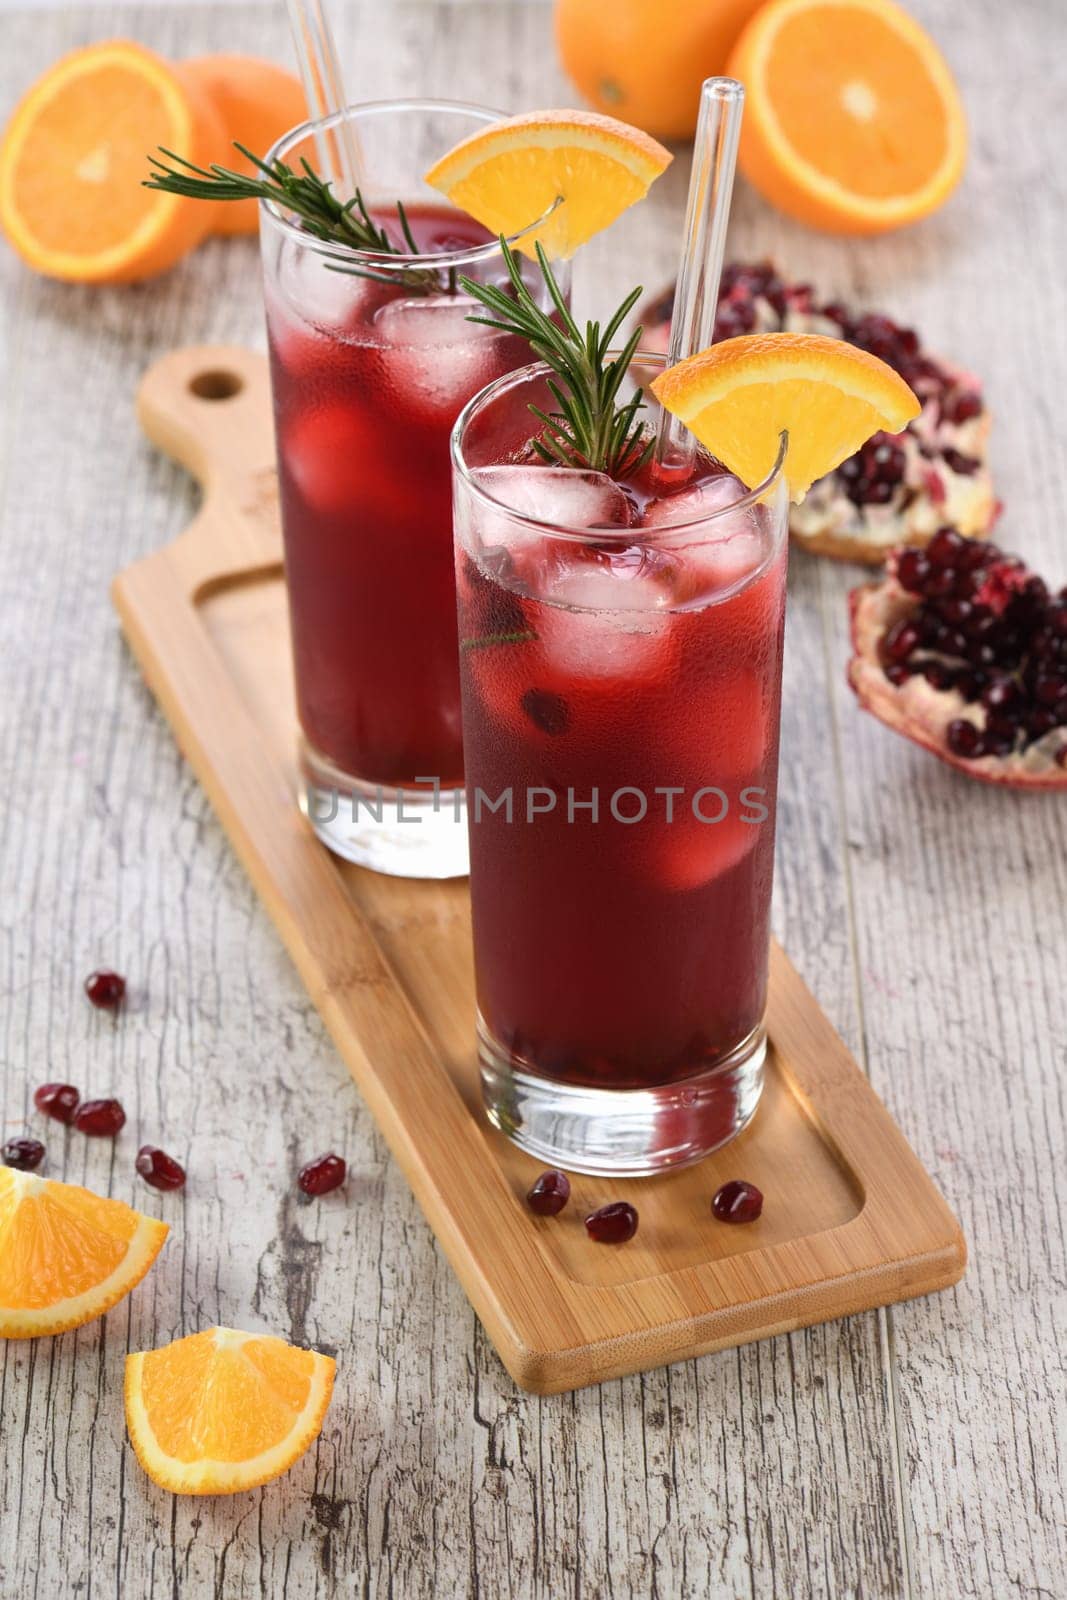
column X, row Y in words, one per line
column 915, row 1453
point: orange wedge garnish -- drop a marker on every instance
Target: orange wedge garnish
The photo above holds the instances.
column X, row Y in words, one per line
column 853, row 121
column 512, row 172
column 72, row 201
column 222, row 1411
column 741, row 395
column 66, row 1255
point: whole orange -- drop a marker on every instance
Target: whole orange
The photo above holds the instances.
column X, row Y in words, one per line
column 256, row 102
column 644, row 61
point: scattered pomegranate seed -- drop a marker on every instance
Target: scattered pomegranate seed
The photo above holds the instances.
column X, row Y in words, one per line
column 323, row 1174
column 105, row 989
column 24, row 1154
column 612, row 1224
column 549, row 1193
column 159, row 1169
column 58, row 1100
column 101, row 1119
column 737, row 1201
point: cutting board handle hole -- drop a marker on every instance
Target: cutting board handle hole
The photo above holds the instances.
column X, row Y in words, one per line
column 216, row 385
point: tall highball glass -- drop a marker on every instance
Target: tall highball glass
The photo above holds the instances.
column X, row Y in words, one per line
column 372, row 359
column 621, row 657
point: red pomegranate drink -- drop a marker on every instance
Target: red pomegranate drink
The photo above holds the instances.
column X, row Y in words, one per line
column 372, row 358
column 621, row 651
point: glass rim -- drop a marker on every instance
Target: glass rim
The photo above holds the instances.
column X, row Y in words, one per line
column 550, row 528
column 381, row 262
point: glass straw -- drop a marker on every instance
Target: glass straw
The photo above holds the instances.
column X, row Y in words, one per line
column 711, row 184
column 320, row 70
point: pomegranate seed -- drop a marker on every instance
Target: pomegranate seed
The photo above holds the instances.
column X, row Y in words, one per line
column 737, row 1201
column 1041, row 722
column 101, row 1119
column 950, row 641
column 901, row 640
column 1001, row 694
column 58, row 1100
column 981, row 654
column 945, row 547
column 964, row 739
column 159, row 1169
column 956, row 611
column 105, row 989
column 1049, row 691
column 549, row 1193
column 1036, row 589
column 25, row 1155
column 612, row 1224
column 975, row 553
column 963, row 408
column 964, row 465
column 938, row 675
column 321, row 1175
column 935, row 486
column 913, row 569
column 942, row 581
column 836, row 312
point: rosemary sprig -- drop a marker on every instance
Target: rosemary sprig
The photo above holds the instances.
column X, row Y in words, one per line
column 590, row 429
column 303, row 193
column 484, row 640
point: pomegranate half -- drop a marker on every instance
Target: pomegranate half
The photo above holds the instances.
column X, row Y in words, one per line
column 961, row 648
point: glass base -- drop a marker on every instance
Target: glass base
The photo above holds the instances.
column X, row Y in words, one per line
column 405, row 833
column 622, row 1132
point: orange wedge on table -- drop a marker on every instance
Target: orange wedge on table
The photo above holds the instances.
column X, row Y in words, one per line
column 72, row 201
column 853, row 122
column 741, row 395
column 66, row 1255
column 511, row 173
column 223, row 1410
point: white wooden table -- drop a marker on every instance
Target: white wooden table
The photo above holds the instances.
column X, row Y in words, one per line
column 918, row 1452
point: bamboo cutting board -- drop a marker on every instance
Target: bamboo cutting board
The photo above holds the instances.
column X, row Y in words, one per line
column 851, row 1219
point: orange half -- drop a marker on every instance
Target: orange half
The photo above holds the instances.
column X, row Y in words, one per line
column 72, row 201
column 853, row 121
column 223, row 1410
column 512, row 172
column 741, row 395
column 66, row 1255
